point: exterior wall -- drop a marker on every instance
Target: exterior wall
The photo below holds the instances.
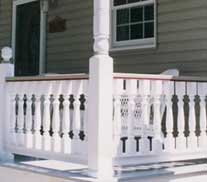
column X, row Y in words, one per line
column 181, row 41
column 5, row 22
column 69, row 51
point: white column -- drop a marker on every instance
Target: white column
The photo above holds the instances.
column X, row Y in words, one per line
column 100, row 140
column 6, row 69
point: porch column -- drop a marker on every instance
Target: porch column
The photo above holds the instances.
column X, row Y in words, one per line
column 6, row 70
column 100, row 96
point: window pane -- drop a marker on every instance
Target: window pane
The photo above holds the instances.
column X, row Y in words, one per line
column 149, row 30
column 122, row 33
column 119, row 2
column 133, row 1
column 149, row 12
column 122, row 16
column 137, row 14
column 137, row 31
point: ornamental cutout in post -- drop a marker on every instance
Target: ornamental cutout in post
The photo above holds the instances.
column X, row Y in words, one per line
column 100, row 143
column 6, row 70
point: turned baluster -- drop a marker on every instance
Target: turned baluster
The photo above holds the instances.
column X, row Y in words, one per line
column 192, row 139
column 28, row 122
column 131, row 91
column 181, row 139
column 169, row 140
column 203, row 120
column 66, row 120
column 20, row 119
column 83, row 120
column 157, row 141
column 37, row 123
column 46, row 118
column 76, row 86
column 13, row 119
column 145, row 95
column 117, row 120
column 56, row 124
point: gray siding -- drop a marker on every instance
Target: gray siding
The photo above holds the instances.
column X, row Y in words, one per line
column 69, row 52
column 181, row 41
column 5, row 23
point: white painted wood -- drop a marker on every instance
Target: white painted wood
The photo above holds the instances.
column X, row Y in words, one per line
column 169, row 92
column 37, row 141
column 192, row 139
column 117, row 119
column 66, row 141
column 76, row 90
column 157, row 141
column 46, row 117
column 56, row 140
column 145, row 94
column 100, row 131
column 131, row 91
column 180, row 140
column 203, row 120
column 28, row 122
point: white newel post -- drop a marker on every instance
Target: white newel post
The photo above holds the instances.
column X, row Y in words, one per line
column 6, row 70
column 100, row 142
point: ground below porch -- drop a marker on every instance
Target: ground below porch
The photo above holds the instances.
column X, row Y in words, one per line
column 57, row 171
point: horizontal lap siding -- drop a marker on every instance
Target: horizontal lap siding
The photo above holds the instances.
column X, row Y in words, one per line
column 69, row 51
column 181, row 41
column 5, row 23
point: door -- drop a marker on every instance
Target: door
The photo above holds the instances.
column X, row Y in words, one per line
column 27, row 39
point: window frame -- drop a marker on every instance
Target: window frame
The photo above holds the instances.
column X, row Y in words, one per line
column 136, row 43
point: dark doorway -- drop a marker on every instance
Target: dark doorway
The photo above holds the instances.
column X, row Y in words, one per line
column 27, row 48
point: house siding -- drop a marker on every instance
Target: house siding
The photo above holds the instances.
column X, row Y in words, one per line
column 69, row 51
column 5, row 22
column 181, row 41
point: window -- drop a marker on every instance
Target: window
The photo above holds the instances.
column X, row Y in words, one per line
column 133, row 24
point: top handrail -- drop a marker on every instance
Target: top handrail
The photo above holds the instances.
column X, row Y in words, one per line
column 48, row 77
column 159, row 77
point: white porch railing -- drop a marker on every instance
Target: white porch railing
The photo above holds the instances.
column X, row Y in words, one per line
column 158, row 118
column 48, row 117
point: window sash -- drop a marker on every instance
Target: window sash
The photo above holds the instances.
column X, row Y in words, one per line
column 142, row 42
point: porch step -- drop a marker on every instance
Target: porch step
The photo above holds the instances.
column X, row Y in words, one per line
column 158, row 172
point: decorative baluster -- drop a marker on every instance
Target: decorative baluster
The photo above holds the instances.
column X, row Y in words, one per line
column 145, row 95
column 192, row 139
column 13, row 119
column 181, row 139
column 117, row 121
column 56, row 124
column 46, row 118
column 158, row 139
column 169, row 140
column 83, row 120
column 20, row 120
column 131, row 90
column 76, row 115
column 203, row 120
column 37, row 123
column 28, row 122
column 66, row 140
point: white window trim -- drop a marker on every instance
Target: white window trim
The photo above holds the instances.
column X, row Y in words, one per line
column 42, row 32
column 132, row 44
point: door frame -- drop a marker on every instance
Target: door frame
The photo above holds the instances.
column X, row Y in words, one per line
column 43, row 21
